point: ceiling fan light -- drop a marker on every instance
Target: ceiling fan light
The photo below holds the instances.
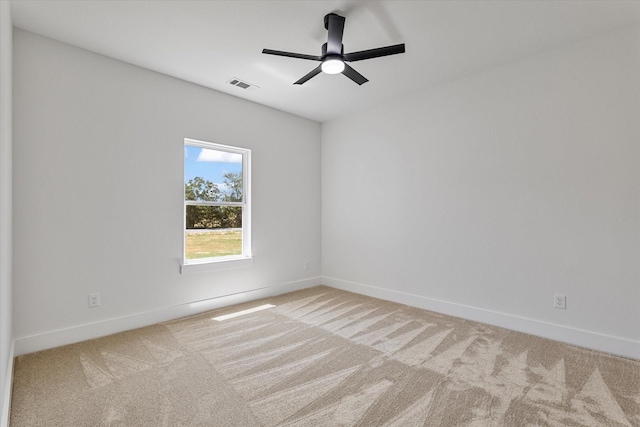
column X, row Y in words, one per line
column 332, row 66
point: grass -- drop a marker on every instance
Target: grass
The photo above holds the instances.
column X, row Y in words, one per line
column 213, row 244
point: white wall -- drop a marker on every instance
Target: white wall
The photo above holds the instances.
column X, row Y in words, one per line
column 98, row 192
column 486, row 196
column 6, row 334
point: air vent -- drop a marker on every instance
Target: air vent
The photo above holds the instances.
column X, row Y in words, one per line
column 241, row 84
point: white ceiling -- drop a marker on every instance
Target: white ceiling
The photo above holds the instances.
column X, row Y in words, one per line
column 211, row 42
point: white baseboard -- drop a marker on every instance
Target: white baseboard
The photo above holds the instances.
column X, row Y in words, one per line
column 30, row 344
column 8, row 387
column 592, row 340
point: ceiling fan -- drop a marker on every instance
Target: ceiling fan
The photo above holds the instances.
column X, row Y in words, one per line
column 333, row 59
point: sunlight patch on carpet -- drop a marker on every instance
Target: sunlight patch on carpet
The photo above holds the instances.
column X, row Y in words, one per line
column 243, row 312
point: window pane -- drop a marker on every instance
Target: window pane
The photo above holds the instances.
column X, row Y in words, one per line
column 212, row 175
column 213, row 231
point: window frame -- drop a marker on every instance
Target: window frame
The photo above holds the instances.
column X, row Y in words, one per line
column 244, row 259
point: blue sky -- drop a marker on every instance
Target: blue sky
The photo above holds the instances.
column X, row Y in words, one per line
column 209, row 164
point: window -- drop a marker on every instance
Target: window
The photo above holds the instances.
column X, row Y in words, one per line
column 217, row 215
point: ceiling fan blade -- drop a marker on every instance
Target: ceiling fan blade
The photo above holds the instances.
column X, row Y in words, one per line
column 291, row 54
column 374, row 53
column 313, row 73
column 354, row 75
column 335, row 25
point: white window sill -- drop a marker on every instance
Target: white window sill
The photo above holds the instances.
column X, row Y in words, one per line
column 215, row 264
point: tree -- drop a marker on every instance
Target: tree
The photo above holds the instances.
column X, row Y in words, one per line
column 232, row 215
column 233, row 185
column 199, row 189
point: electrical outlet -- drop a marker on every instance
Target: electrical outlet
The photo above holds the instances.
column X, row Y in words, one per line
column 560, row 301
column 306, row 265
column 94, row 299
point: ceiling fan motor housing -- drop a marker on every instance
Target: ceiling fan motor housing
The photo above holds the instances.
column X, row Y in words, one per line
column 324, row 51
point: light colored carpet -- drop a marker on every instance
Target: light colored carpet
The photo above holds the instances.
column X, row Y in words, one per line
column 324, row 357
